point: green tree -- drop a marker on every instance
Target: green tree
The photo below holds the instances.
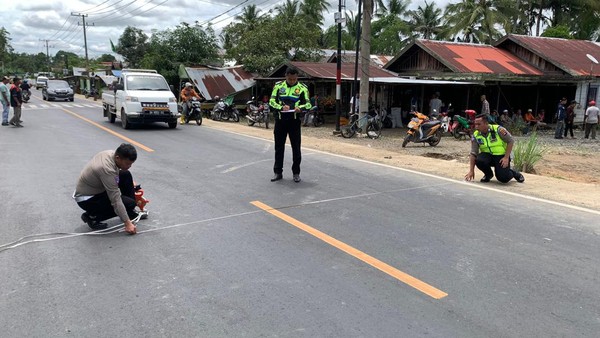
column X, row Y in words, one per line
column 133, row 45
column 312, row 11
column 106, row 58
column 557, row 32
column 5, row 47
column 476, row 20
column 389, row 30
column 290, row 9
column 329, row 38
column 186, row 44
column 250, row 17
column 426, row 22
column 259, row 51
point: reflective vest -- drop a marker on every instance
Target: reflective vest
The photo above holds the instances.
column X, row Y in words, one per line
column 492, row 143
column 294, row 96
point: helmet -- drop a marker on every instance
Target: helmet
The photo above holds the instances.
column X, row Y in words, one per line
column 592, row 103
column 187, row 84
column 217, row 98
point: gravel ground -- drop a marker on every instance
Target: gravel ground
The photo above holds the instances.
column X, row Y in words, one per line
column 451, row 148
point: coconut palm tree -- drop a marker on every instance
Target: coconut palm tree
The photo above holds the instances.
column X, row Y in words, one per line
column 312, row 10
column 476, row 20
column 426, row 22
column 290, row 9
column 250, row 17
column 390, row 31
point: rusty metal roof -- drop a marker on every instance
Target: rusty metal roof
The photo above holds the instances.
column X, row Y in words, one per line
column 474, row 58
column 568, row 55
column 329, row 70
column 212, row 81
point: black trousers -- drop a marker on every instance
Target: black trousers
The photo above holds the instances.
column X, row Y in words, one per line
column 485, row 162
column 282, row 129
column 568, row 127
column 100, row 206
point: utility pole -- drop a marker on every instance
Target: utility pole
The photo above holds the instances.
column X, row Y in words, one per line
column 83, row 16
column 47, row 54
column 357, row 36
column 338, row 75
column 365, row 59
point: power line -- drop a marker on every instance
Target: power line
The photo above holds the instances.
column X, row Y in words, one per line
column 115, row 18
column 91, row 11
column 227, row 11
column 114, row 11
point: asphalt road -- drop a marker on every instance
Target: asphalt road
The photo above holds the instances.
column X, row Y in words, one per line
column 354, row 250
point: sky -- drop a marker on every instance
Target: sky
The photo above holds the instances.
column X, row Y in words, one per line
column 33, row 25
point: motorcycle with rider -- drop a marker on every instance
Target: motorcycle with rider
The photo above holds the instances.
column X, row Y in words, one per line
column 190, row 104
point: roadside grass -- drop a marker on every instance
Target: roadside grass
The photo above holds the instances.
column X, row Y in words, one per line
column 528, row 153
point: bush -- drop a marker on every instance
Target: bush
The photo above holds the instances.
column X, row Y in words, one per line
column 527, row 154
column 517, row 127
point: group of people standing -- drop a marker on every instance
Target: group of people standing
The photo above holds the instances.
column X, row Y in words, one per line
column 11, row 96
column 565, row 116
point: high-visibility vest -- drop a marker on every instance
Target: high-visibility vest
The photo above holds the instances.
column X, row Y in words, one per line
column 492, row 143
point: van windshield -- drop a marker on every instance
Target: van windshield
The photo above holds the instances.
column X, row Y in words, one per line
column 142, row 82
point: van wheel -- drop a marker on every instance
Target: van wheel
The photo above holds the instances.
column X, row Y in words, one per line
column 124, row 123
column 172, row 125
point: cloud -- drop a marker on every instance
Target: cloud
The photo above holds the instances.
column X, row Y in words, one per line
column 31, row 23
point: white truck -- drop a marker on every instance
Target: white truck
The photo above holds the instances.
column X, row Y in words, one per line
column 140, row 96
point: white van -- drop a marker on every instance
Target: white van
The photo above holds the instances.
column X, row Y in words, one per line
column 41, row 82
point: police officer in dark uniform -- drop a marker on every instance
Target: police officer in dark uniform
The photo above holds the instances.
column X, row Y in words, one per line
column 491, row 146
column 288, row 99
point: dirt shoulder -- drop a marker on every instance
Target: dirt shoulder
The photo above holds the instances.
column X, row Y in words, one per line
column 569, row 172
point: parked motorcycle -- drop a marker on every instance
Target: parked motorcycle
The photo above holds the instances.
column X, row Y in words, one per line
column 462, row 126
column 313, row 116
column 257, row 112
column 92, row 92
column 224, row 112
column 423, row 130
column 194, row 112
column 386, row 119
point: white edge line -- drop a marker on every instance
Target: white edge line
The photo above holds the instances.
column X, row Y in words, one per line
column 510, row 193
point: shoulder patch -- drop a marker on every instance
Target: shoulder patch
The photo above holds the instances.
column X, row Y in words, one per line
column 502, row 131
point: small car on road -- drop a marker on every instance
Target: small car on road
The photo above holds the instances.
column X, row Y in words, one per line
column 57, row 90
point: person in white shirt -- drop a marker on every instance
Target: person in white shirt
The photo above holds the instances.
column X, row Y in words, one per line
column 591, row 120
column 5, row 99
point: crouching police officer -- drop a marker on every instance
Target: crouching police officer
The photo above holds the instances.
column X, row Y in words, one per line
column 288, row 99
column 491, row 146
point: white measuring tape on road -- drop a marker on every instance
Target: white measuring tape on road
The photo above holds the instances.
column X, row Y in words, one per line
column 60, row 235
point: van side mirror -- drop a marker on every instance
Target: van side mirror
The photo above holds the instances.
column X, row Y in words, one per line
column 172, row 88
column 119, row 86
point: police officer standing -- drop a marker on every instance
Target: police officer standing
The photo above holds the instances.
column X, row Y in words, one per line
column 491, row 146
column 288, row 99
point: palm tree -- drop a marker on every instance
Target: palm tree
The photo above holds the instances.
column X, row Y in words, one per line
column 427, row 22
column 313, row 10
column 250, row 17
column 394, row 7
column 290, row 9
column 476, row 20
column 390, row 30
